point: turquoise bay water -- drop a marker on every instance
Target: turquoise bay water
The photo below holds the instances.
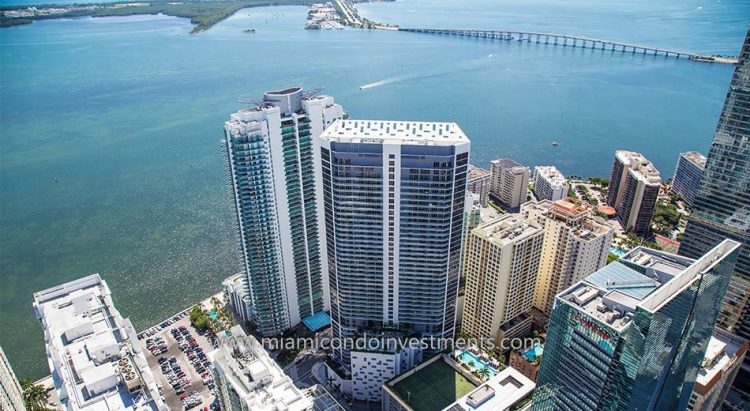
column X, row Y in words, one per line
column 127, row 114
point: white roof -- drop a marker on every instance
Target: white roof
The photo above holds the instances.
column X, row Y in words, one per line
column 84, row 333
column 258, row 380
column 551, row 174
column 723, row 350
column 498, row 393
column 395, row 132
column 639, row 166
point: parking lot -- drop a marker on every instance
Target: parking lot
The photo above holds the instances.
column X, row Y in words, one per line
column 177, row 354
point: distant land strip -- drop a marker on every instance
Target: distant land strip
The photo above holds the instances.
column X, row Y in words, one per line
column 202, row 14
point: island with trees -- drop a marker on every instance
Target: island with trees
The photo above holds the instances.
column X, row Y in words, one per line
column 202, row 14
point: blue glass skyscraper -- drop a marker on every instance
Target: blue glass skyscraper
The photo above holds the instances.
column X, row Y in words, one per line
column 722, row 205
column 632, row 335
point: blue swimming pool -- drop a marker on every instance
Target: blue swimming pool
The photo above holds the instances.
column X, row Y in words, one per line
column 467, row 358
column 618, row 251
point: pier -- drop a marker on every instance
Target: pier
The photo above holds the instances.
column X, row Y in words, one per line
column 575, row 41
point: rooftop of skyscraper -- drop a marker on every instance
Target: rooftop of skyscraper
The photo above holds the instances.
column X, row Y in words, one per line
column 573, row 212
column 476, row 172
column 507, row 163
column 287, row 101
column 552, row 174
column 695, row 157
column 395, row 132
column 506, row 228
column 639, row 166
column 723, row 349
column 642, row 278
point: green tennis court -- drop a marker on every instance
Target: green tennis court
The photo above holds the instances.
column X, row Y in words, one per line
column 434, row 387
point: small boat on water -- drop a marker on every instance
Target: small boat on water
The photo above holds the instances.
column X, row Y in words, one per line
column 555, row 144
column 249, row 31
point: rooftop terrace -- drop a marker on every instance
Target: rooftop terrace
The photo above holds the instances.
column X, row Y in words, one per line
column 260, row 383
column 498, row 393
column 507, row 228
column 696, row 158
column 91, row 349
column 551, row 174
column 477, row 172
column 639, row 166
column 395, row 132
column 433, row 385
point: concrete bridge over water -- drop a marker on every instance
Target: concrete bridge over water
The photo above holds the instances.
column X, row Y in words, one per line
column 575, row 41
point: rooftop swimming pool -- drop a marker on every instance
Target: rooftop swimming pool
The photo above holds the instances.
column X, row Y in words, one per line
column 475, row 363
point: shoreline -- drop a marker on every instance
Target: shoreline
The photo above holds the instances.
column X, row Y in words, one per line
column 203, row 15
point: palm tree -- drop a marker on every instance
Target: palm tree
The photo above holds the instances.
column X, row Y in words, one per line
column 34, row 395
column 471, row 364
column 483, row 373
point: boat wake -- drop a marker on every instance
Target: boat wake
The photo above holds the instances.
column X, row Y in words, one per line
column 467, row 65
column 382, row 82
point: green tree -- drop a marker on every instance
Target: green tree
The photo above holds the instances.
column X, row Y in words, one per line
column 612, row 257
column 666, row 218
column 483, row 373
column 34, row 395
column 201, row 323
column 572, row 192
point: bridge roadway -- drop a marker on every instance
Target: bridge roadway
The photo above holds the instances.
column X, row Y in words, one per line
column 575, row 41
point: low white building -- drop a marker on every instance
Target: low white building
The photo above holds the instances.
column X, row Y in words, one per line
column 247, row 378
column 93, row 353
column 370, row 369
column 549, row 183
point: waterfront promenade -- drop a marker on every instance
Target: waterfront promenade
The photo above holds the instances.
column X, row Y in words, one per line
column 575, row 41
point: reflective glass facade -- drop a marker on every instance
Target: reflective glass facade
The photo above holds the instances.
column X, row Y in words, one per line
column 722, row 205
column 252, row 179
column 647, row 356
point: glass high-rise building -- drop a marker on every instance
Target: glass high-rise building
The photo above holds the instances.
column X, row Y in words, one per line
column 688, row 175
column 394, row 195
column 632, row 335
column 271, row 156
column 722, row 205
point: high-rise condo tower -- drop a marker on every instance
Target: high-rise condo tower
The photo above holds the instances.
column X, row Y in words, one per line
column 271, row 156
column 394, row 206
